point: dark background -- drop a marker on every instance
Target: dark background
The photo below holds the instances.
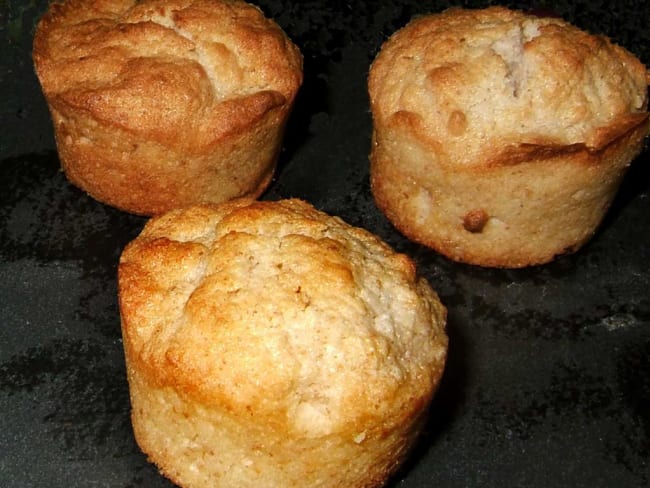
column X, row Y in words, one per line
column 548, row 378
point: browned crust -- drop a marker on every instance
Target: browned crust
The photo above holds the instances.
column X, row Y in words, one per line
column 162, row 104
column 606, row 167
column 304, row 344
column 466, row 103
column 510, row 154
column 151, row 266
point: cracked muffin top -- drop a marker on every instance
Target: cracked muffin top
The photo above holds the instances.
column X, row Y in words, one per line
column 277, row 310
column 151, row 66
column 474, row 83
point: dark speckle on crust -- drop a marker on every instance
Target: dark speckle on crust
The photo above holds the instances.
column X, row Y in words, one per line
column 475, row 220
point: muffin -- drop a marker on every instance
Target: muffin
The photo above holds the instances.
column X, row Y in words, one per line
column 501, row 138
column 269, row 344
column 158, row 104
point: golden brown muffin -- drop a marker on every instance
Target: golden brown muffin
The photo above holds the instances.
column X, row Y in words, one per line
column 500, row 138
column 158, row 104
column 269, row 344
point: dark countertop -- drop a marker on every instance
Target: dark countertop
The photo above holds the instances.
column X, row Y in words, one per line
column 548, row 378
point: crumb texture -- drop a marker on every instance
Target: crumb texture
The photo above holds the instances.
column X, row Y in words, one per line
column 269, row 344
column 501, row 138
column 152, row 65
column 285, row 310
column 479, row 78
column 161, row 104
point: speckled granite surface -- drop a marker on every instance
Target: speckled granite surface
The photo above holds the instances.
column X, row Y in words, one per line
column 548, row 380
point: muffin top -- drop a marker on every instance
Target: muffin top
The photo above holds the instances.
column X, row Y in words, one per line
column 277, row 312
column 481, row 86
column 154, row 66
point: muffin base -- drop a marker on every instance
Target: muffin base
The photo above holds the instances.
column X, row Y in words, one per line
column 200, row 446
column 542, row 202
column 143, row 176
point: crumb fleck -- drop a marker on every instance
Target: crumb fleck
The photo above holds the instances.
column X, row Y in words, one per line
column 475, row 220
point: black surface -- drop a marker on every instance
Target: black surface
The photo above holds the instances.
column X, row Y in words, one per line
column 548, row 379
